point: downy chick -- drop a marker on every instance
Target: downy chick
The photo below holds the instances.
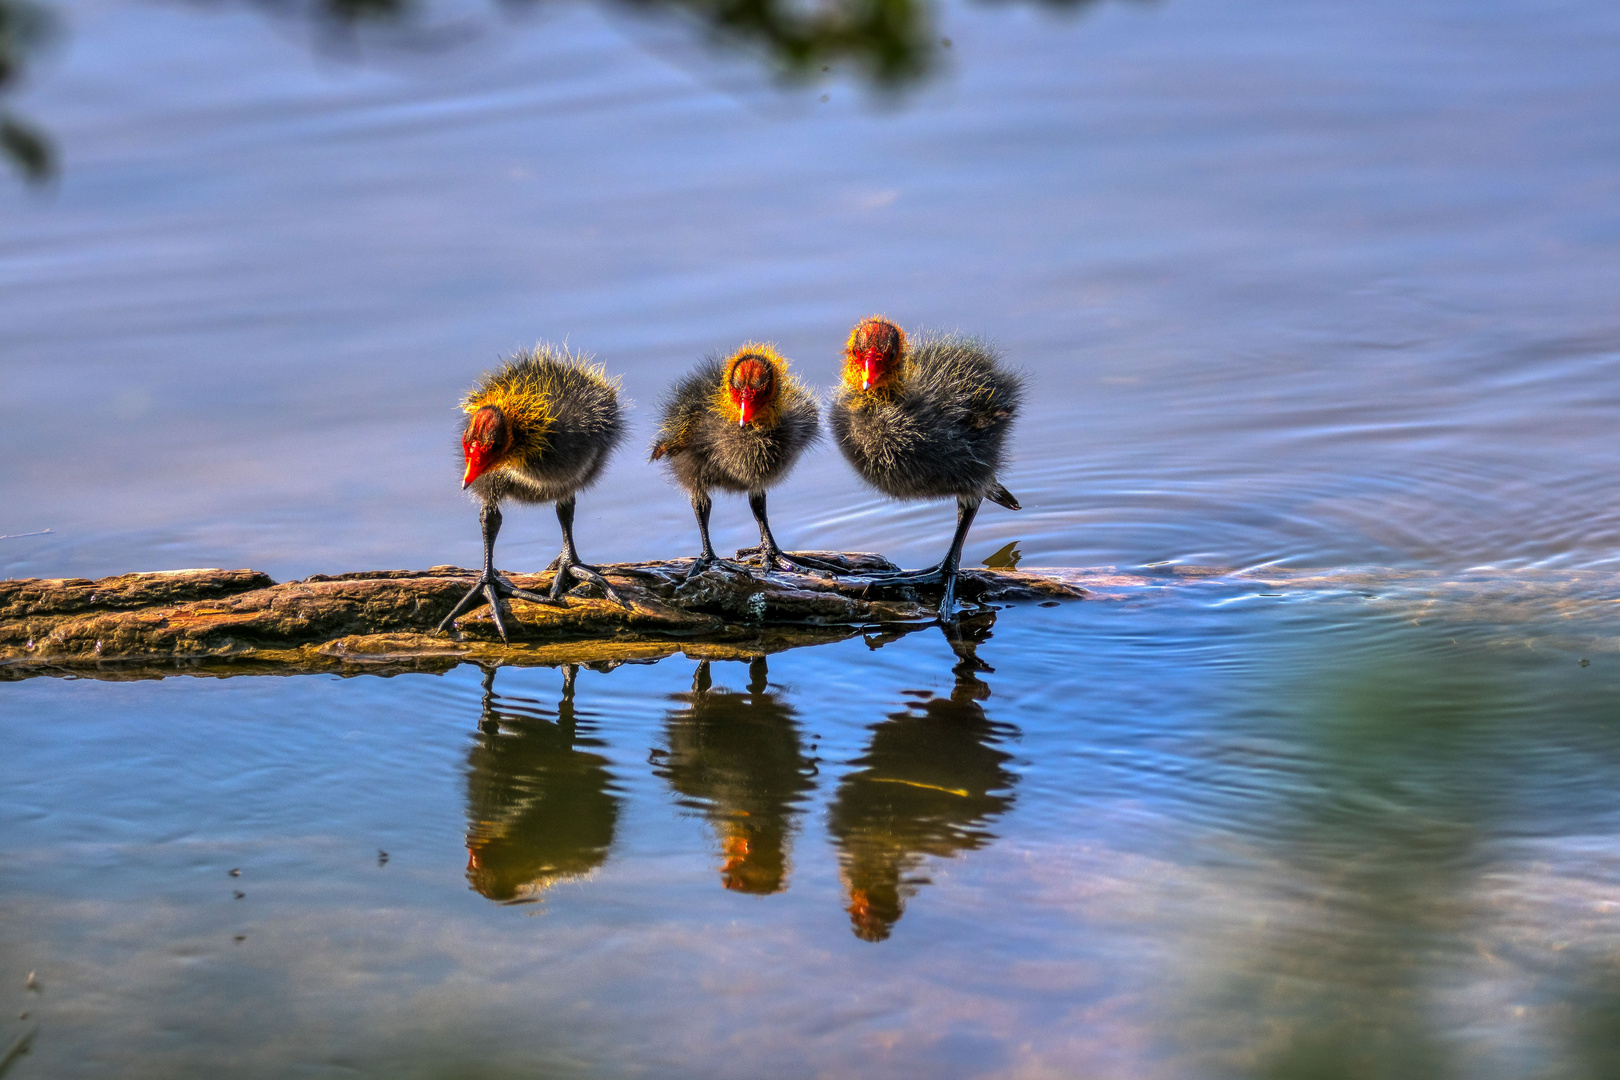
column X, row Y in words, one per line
column 737, row 424
column 926, row 421
column 539, row 429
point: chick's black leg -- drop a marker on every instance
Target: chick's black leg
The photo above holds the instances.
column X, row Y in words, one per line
column 568, row 564
column 966, row 511
column 769, row 552
column 701, row 505
column 490, row 586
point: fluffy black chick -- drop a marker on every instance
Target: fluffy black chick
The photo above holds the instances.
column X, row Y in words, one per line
column 737, row 424
column 927, row 420
column 539, row 429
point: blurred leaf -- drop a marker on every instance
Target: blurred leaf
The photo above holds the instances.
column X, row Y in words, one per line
column 889, row 43
column 24, row 30
column 29, row 150
column 24, row 27
column 888, row 40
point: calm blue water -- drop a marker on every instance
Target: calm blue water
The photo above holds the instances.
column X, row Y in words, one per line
column 1320, row 284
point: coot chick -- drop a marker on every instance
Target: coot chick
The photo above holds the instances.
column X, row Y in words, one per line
column 926, row 420
column 737, row 424
column 539, row 429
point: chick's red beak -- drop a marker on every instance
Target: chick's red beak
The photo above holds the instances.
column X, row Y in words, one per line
column 745, row 407
column 478, row 460
column 869, row 359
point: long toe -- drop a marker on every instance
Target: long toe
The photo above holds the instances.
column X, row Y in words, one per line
column 789, row 562
column 589, row 574
column 649, row 575
column 560, row 581
column 809, row 562
column 746, row 556
column 468, row 601
column 701, row 565
column 531, row 597
column 930, row 576
column 495, row 610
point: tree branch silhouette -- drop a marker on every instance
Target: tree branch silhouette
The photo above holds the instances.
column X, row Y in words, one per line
column 888, row 43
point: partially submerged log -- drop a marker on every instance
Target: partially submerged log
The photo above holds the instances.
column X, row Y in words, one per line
column 230, row 622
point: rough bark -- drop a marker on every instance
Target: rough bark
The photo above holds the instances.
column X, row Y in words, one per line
column 230, row 622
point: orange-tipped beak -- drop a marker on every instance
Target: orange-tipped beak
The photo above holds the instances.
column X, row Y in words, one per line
column 870, row 359
column 477, row 461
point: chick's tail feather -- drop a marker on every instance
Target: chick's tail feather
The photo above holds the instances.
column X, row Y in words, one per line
column 1002, row 497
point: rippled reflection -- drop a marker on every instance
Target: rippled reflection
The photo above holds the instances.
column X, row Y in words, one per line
column 932, row 778
column 739, row 760
column 539, row 808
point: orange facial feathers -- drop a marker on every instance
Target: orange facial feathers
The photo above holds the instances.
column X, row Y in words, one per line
column 873, row 353
column 751, row 389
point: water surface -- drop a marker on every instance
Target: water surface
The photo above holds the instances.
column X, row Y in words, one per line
column 1244, row 836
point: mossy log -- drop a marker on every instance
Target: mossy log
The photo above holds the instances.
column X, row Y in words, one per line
column 233, row 622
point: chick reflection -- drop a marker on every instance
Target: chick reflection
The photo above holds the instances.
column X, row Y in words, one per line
column 737, row 759
column 930, row 781
column 538, row 808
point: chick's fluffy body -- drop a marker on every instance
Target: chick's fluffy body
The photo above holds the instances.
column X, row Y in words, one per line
column 939, row 430
column 565, row 420
column 707, row 449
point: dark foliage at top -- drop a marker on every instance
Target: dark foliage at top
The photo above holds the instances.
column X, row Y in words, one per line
column 24, row 29
column 888, row 43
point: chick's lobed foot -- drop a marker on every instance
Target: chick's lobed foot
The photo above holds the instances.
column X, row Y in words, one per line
column 934, row 575
column 777, row 559
column 565, row 569
column 704, row 563
column 623, row 571
column 491, row 589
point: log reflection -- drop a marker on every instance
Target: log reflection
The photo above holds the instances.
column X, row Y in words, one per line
column 932, row 779
column 539, row 808
column 739, row 761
